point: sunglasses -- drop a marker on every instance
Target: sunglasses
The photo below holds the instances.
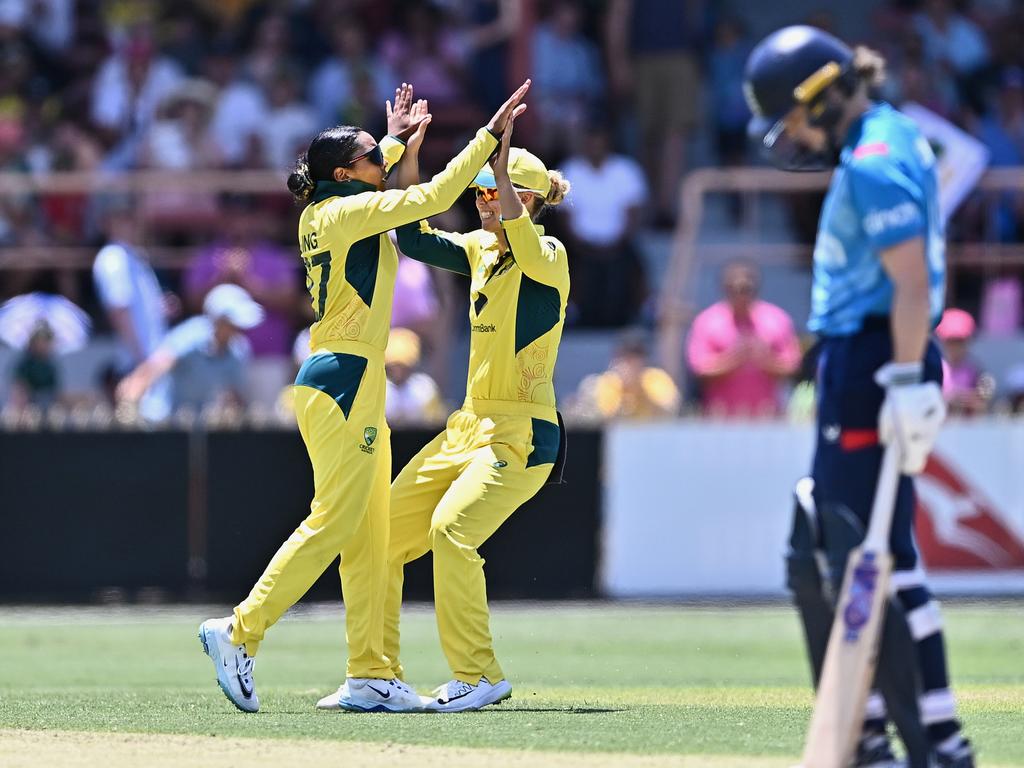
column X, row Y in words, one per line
column 486, row 194
column 375, row 156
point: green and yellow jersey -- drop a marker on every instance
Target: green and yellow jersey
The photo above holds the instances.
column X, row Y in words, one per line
column 516, row 313
column 351, row 262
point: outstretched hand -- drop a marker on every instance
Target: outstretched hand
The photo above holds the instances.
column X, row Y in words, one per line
column 401, row 122
column 511, row 205
column 500, row 164
column 506, row 110
column 421, row 118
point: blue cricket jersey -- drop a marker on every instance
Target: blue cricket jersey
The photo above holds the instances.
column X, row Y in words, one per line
column 884, row 192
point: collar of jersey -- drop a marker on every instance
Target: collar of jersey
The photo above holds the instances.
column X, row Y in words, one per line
column 326, row 189
column 857, row 126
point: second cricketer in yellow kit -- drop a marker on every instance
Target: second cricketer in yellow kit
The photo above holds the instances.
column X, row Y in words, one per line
column 502, row 445
column 339, row 403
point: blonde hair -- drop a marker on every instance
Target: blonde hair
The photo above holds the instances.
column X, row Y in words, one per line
column 560, row 187
column 869, row 65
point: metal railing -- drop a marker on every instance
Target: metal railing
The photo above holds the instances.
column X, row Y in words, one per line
column 676, row 299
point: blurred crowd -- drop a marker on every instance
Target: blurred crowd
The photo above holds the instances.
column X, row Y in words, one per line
column 628, row 95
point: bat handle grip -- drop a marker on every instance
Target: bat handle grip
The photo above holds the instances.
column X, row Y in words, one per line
column 877, row 539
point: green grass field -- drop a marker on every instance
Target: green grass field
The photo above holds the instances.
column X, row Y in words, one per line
column 724, row 685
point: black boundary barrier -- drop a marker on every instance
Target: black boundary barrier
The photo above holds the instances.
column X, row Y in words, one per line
column 196, row 515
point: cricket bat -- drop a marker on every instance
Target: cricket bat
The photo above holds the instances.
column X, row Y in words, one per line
column 856, row 630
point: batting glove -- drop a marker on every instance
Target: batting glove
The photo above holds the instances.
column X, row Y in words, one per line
column 912, row 413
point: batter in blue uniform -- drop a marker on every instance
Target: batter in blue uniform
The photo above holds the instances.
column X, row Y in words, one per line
column 879, row 284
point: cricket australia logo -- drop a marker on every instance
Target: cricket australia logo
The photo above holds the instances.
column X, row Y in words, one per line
column 369, row 435
column 862, row 591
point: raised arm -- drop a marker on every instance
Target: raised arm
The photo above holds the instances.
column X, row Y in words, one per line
column 543, row 260
column 374, row 212
column 445, row 250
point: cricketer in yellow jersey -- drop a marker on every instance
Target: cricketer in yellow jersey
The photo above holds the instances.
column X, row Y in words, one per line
column 339, row 400
column 502, row 445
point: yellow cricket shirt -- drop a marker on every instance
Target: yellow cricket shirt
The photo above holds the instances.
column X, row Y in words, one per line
column 350, row 260
column 516, row 313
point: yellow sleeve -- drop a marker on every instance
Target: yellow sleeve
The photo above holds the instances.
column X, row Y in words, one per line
column 371, row 213
column 541, row 258
column 392, row 148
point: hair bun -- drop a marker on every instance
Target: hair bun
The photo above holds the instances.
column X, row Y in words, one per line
column 299, row 182
column 560, row 187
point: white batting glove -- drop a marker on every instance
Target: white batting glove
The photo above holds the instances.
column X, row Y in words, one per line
column 912, row 413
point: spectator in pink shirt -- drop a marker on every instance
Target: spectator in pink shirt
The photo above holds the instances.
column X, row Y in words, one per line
column 742, row 348
column 967, row 388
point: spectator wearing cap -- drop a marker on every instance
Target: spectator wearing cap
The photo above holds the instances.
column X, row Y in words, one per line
column 742, row 348
column 608, row 194
column 967, row 388
column 246, row 256
column 412, row 396
column 630, row 389
column 205, row 355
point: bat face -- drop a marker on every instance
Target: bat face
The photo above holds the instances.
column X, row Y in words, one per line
column 850, row 661
column 863, row 580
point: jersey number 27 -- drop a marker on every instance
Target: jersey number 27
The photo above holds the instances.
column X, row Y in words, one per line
column 323, row 261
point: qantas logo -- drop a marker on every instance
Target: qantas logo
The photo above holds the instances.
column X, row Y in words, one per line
column 958, row 528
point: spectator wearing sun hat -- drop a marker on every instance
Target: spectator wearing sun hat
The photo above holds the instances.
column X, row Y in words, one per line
column 205, row 355
column 412, row 396
column 967, row 388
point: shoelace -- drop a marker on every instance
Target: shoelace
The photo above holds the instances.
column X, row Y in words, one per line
column 396, row 683
column 246, row 667
column 452, row 689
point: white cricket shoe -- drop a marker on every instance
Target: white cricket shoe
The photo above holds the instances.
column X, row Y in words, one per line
column 457, row 696
column 234, row 666
column 360, row 694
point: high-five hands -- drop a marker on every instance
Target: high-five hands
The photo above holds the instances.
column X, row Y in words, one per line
column 402, row 123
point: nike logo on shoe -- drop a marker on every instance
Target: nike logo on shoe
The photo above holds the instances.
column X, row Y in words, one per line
column 247, row 692
column 382, row 694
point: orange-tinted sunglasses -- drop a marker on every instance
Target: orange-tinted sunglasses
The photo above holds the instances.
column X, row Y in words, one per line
column 486, row 194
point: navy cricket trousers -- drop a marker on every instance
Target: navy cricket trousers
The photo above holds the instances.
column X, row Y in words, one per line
column 848, row 456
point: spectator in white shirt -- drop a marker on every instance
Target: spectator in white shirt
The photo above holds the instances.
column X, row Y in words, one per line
column 131, row 84
column 608, row 194
column 131, row 295
column 205, row 355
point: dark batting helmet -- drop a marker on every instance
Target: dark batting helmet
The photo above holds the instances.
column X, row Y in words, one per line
column 796, row 66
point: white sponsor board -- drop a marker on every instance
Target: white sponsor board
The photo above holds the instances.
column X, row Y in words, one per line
column 705, row 507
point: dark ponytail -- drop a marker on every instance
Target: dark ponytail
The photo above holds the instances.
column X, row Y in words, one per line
column 330, row 149
column 299, row 183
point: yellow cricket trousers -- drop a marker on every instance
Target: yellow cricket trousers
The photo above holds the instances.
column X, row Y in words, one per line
column 450, row 498
column 339, row 405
